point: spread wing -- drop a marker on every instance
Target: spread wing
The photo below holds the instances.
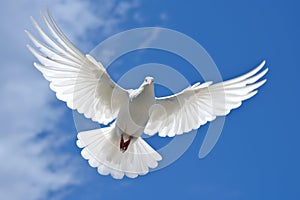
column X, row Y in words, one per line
column 200, row 103
column 79, row 80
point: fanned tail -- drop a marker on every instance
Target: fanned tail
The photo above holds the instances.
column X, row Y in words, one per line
column 101, row 147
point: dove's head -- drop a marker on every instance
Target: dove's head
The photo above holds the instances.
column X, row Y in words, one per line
column 148, row 80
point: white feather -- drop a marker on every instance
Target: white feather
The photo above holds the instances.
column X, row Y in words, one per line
column 196, row 105
column 101, row 149
column 78, row 80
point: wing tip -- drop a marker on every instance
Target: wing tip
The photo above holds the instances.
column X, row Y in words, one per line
column 31, row 49
column 260, row 66
column 33, row 20
column 38, row 66
column 263, row 81
column 41, row 13
column 48, row 10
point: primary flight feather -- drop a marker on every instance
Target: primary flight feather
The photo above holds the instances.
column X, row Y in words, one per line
column 84, row 84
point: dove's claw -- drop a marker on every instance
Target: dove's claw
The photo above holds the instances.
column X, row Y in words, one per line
column 124, row 145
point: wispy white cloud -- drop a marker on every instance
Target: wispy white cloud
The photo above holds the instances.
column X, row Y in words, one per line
column 138, row 17
column 103, row 17
column 32, row 164
column 163, row 16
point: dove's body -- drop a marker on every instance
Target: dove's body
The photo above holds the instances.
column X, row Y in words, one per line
column 134, row 115
column 126, row 152
column 84, row 84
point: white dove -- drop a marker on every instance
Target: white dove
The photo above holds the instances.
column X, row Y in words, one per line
column 84, row 84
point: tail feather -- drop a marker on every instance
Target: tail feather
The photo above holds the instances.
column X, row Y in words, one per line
column 101, row 149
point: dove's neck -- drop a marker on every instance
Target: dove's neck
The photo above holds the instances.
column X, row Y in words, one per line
column 148, row 91
column 145, row 91
column 144, row 94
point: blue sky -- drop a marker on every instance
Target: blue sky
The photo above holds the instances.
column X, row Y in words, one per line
column 256, row 156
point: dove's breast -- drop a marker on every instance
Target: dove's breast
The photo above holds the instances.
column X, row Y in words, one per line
column 134, row 115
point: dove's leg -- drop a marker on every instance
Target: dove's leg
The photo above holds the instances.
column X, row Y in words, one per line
column 124, row 145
